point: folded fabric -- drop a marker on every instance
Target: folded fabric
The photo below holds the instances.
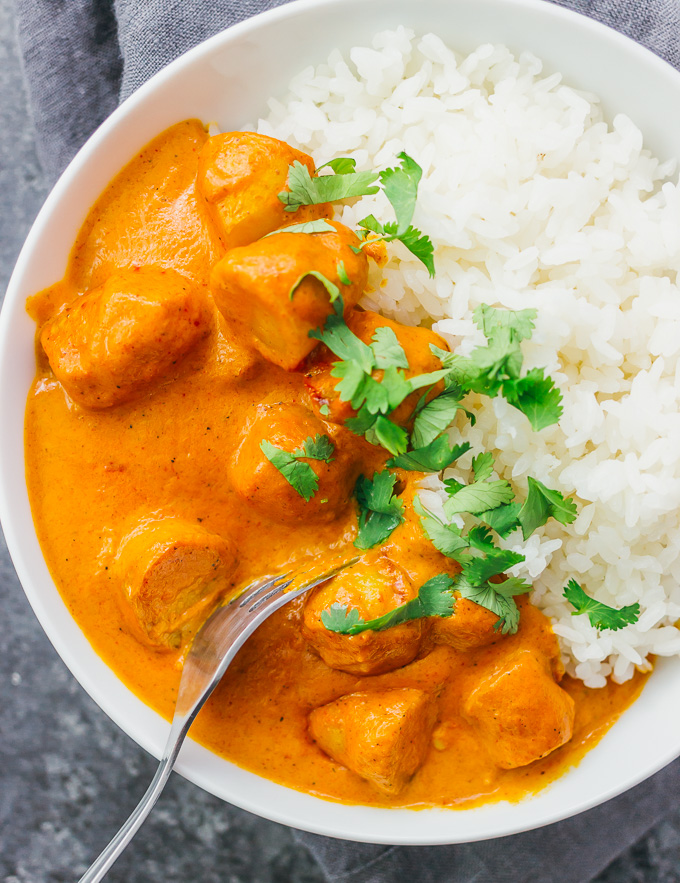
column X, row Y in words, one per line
column 80, row 59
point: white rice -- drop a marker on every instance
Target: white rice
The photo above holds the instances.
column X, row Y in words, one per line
column 533, row 200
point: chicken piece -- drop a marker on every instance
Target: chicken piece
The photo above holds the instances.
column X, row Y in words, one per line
column 112, row 343
column 258, row 481
column 470, row 626
column 382, row 737
column 241, row 174
column 263, row 290
column 373, row 586
column 364, row 323
column 172, row 573
column 520, row 711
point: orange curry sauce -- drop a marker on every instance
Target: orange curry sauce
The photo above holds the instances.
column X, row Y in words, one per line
column 169, row 453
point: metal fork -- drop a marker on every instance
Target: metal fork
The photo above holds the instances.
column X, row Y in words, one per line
column 213, row 649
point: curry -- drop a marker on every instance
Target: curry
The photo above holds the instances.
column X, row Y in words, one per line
column 175, row 371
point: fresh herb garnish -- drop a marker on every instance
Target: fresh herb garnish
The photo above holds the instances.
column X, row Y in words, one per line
column 318, row 226
column 305, row 190
column 434, row 457
column 495, row 368
column 300, row 476
column 342, row 273
column 498, row 597
column 380, row 510
column 400, row 186
column 331, row 287
column 601, row 616
column 435, row 598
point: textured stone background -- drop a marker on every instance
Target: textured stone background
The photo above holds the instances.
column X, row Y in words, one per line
column 68, row 775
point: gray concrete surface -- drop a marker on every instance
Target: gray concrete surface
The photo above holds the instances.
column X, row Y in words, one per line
column 68, row 776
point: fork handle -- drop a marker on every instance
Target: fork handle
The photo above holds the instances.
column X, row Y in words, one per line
column 101, row 865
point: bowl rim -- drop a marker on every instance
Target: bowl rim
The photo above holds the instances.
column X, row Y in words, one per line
column 192, row 763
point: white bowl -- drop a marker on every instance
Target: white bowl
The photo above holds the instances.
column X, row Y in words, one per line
column 228, row 78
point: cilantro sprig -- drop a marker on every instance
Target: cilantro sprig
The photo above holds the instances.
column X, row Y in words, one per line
column 345, row 183
column 380, row 510
column 435, row 598
column 299, row 475
column 495, row 368
column 400, row 186
column 601, row 616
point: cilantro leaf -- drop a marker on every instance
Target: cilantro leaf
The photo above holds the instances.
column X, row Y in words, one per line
column 497, row 561
column 343, row 165
column 536, row 396
column 342, row 273
column 434, row 417
column 305, row 190
column 431, row 458
column 496, row 597
column 387, row 350
column 601, row 616
column 435, row 598
column 331, row 287
column 300, row 476
column 490, row 320
column 318, row 226
column 400, row 186
column 477, row 497
column 419, row 244
column 380, row 511
column 318, row 448
column 446, row 538
column 502, row 519
column 386, row 433
column 543, row 503
column 341, row 619
column 344, row 343
column 480, row 538
column 482, row 466
column 352, row 381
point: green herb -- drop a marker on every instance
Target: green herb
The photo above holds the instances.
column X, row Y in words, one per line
column 387, row 434
column 331, row 287
column 446, row 538
column 543, row 503
column 601, row 616
column 341, row 166
column 435, row 598
column 300, row 476
column 536, row 396
column 431, row 458
column 495, row 368
column 324, row 410
column 482, row 466
column 342, row 274
column 496, row 597
column 319, row 226
column 380, row 510
column 502, row 519
column 435, row 416
column 387, row 350
column 400, row 186
column 480, row 496
column 305, row 190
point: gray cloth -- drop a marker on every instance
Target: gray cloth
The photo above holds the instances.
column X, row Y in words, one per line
column 80, row 58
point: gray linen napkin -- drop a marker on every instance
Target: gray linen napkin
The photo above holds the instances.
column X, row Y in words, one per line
column 80, row 58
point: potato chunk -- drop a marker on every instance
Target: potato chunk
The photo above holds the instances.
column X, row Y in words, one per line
column 373, row 586
column 172, row 572
column 252, row 288
column 112, row 343
column 520, row 711
column 383, row 737
column 364, row 323
column 241, row 174
column 263, row 486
